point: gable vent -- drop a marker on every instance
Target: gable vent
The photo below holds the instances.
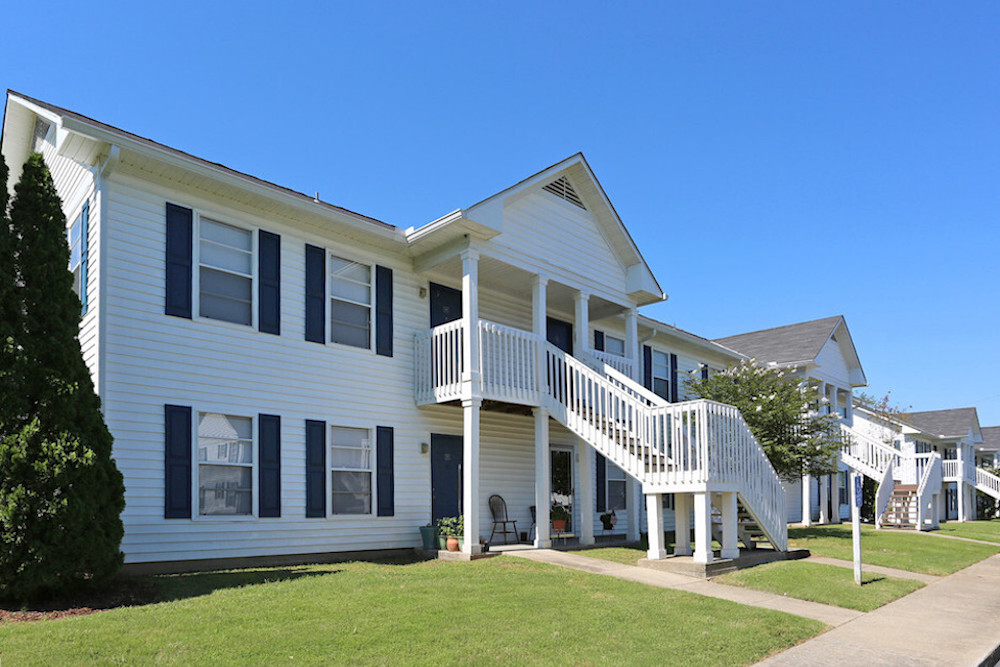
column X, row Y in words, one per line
column 561, row 187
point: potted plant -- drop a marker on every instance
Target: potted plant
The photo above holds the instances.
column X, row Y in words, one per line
column 559, row 517
column 450, row 531
column 428, row 536
column 609, row 520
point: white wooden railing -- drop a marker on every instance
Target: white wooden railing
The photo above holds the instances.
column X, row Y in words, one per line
column 951, row 469
column 869, row 457
column 437, row 359
column 987, row 482
column 929, row 468
column 621, row 364
column 507, row 363
column 884, row 493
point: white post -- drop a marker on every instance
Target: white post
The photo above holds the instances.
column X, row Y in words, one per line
column 581, row 338
column 960, row 484
column 632, row 342
column 806, row 500
column 538, row 311
column 682, row 524
column 585, row 513
column 856, row 524
column 633, row 511
column 702, row 527
column 470, row 474
column 543, row 479
column 654, row 516
column 824, row 493
column 730, row 547
column 471, row 377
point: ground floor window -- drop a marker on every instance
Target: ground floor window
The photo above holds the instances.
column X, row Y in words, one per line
column 225, row 464
column 351, row 470
column 616, row 487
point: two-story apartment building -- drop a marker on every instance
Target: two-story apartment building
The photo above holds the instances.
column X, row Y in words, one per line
column 284, row 377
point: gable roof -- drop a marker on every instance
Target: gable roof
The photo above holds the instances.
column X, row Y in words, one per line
column 790, row 344
column 991, row 437
column 953, row 423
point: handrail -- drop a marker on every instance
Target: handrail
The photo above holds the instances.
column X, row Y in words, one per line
column 930, row 481
column 987, row 482
column 621, row 364
column 884, row 493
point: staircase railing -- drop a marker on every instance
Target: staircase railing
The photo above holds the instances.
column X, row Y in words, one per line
column 867, row 456
column 619, row 363
column 884, row 493
column 929, row 466
column 987, row 482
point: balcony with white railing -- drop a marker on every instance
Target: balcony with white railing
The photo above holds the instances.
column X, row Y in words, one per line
column 621, row 364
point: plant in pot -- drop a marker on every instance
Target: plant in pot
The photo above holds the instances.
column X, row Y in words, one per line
column 450, row 531
column 428, row 537
column 559, row 517
column 609, row 520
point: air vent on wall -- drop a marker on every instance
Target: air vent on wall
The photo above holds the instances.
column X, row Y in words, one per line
column 41, row 131
column 561, row 187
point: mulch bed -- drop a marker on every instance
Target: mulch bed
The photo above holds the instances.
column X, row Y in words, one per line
column 119, row 592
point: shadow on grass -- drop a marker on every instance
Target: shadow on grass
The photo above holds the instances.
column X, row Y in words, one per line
column 820, row 532
column 171, row 587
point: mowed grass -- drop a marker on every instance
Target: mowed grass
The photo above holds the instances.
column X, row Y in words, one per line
column 500, row 610
column 988, row 531
column 910, row 551
column 626, row 555
column 828, row 584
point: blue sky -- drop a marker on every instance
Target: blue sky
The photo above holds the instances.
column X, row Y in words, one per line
column 775, row 162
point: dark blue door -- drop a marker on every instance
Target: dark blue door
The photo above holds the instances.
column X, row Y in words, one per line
column 446, row 304
column 446, row 475
column 560, row 334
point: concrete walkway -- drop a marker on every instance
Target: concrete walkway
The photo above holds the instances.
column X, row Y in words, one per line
column 952, row 621
column 877, row 569
column 825, row 613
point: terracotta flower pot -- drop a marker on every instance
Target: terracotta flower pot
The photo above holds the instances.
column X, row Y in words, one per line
column 452, row 544
column 559, row 525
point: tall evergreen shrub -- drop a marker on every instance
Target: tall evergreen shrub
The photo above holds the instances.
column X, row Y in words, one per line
column 60, row 492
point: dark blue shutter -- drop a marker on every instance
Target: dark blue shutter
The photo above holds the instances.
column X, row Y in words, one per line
column 704, row 372
column 269, row 285
column 177, row 462
column 269, row 466
column 386, row 480
column 315, row 468
column 84, row 254
column 602, row 485
column 383, row 311
column 673, row 378
column 598, row 340
column 647, row 367
column 179, row 230
column 315, row 294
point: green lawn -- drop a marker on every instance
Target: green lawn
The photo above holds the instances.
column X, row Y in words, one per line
column 626, row 555
column 497, row 610
column 902, row 550
column 988, row 531
column 828, row 584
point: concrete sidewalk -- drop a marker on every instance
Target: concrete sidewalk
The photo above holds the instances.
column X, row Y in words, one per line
column 952, row 621
column 828, row 614
column 877, row 569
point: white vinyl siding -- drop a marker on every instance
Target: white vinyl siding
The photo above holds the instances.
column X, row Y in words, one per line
column 225, row 276
column 225, row 465
column 351, row 470
column 350, row 302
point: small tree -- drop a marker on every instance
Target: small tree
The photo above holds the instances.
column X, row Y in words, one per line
column 782, row 412
column 60, row 492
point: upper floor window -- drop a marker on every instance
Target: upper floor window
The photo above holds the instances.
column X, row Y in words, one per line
column 350, row 302
column 661, row 374
column 74, row 235
column 225, row 464
column 225, row 277
column 351, row 470
column 614, row 345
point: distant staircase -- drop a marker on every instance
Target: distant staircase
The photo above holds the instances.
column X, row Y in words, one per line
column 902, row 510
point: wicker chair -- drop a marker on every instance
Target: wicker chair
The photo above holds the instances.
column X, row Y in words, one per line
column 498, row 508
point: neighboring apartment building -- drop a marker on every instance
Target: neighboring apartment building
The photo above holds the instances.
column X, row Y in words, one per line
column 821, row 352
column 284, row 377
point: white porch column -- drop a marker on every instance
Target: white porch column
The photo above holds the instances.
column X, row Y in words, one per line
column 471, row 377
column 538, row 310
column 682, row 524
column 824, row 499
column 730, row 547
column 581, row 327
column 585, row 513
column 633, row 511
column 470, row 474
column 960, row 484
column 654, row 517
column 632, row 342
column 806, row 500
column 702, row 527
column 543, row 479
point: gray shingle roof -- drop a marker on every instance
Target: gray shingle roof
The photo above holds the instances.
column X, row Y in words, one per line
column 791, row 343
column 956, row 422
column 991, row 437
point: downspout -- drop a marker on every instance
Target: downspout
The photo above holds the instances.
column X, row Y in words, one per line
column 109, row 165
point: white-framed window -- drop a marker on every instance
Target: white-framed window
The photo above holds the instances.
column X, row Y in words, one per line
column 74, row 235
column 661, row 374
column 350, row 302
column 225, row 272
column 615, row 479
column 225, row 465
column 350, row 470
column 614, row 345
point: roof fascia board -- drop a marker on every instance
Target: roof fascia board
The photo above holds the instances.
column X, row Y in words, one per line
column 660, row 328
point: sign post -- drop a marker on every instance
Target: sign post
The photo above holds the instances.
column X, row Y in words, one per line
column 856, row 526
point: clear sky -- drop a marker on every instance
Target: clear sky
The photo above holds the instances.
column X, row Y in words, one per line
column 775, row 162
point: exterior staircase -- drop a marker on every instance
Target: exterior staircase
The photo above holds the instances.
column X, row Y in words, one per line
column 902, row 510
